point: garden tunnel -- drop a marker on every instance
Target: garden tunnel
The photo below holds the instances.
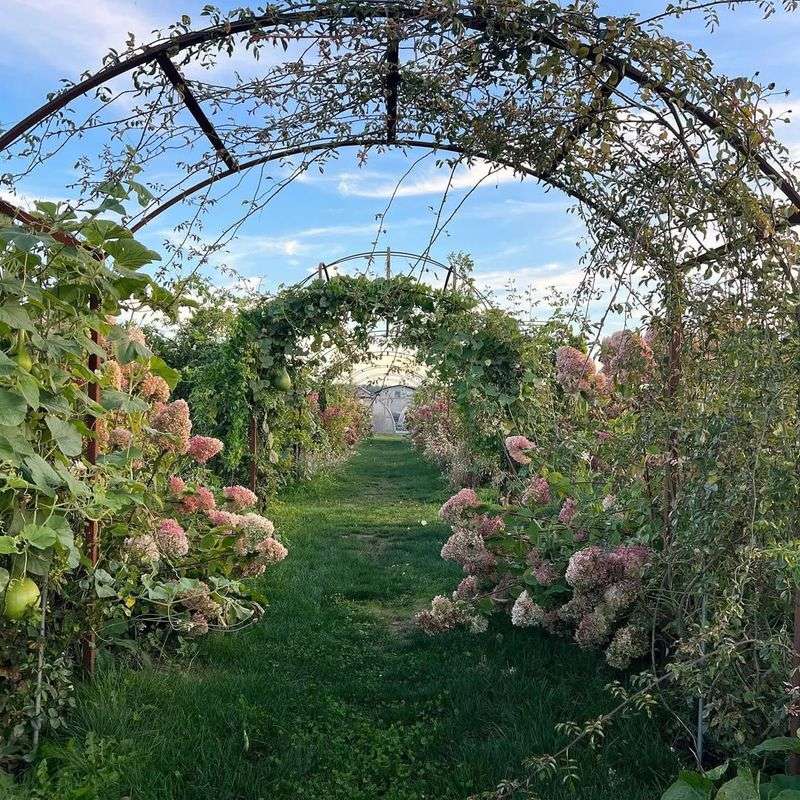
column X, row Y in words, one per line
column 674, row 171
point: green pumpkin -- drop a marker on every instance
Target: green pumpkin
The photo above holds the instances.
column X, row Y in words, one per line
column 21, row 595
column 281, row 380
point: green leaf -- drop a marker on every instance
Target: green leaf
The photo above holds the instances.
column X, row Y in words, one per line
column 16, row 317
column 7, row 365
column 787, row 794
column 5, row 576
column 717, row 772
column 12, row 408
column 740, row 788
column 160, row 367
column 43, row 476
column 780, row 744
column 38, row 536
column 689, row 786
column 29, row 387
column 131, row 254
column 66, row 436
column 113, row 400
column 23, row 240
column 7, row 545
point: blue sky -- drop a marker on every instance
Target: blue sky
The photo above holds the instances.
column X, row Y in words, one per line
column 512, row 229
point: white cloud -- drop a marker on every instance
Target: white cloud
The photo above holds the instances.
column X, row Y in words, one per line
column 554, row 274
column 434, row 181
column 71, row 36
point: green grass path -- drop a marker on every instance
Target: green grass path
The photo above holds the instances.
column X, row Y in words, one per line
column 339, row 696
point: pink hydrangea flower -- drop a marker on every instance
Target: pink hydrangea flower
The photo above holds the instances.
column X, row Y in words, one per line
column 574, row 370
column 254, row 569
column 593, row 629
column 489, row 526
column 112, row 371
column 453, row 509
column 201, row 500
column 198, row 625
column 224, row 519
column 517, row 447
column 171, row 539
column 537, row 490
column 545, row 573
column 240, row 496
column 136, row 335
column 467, row 549
column 626, row 356
column 142, row 548
column 173, row 419
column 467, row 589
column 155, row 388
column 525, row 612
column 203, row 448
column 121, row 438
column 587, row 568
column 271, row 551
column 568, row 511
column 177, row 485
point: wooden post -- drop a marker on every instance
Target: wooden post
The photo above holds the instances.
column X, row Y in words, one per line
column 794, row 682
column 91, row 535
column 253, row 452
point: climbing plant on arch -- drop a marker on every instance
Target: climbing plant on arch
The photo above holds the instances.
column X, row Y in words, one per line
column 322, row 327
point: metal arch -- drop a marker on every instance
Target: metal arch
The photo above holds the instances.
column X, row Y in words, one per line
column 452, row 272
column 373, row 254
column 395, row 10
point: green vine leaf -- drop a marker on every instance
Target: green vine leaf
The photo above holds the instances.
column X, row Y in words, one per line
column 12, row 408
column 66, row 436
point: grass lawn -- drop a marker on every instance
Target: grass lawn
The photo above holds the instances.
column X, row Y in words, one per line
column 336, row 696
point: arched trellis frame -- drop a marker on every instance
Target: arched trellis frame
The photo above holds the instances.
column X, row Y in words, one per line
column 672, row 167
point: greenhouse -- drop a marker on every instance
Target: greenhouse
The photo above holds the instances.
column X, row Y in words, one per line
column 400, row 400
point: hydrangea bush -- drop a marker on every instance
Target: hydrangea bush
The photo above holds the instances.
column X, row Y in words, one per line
column 638, row 527
column 174, row 545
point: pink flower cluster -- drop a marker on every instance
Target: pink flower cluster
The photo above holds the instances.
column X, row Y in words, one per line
column 574, row 370
column 239, row 496
column 177, row 485
column 112, row 371
column 525, row 613
column 154, row 388
column 516, row 446
column 142, row 548
column 606, row 585
column 537, row 490
column 223, row 519
column 120, row 438
column 201, row 499
column 489, row 526
column 173, row 420
column 454, row 508
column 626, row 356
column 465, row 546
column 203, row 448
column 171, row 539
column 446, row 614
column 568, row 511
column 467, row 589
